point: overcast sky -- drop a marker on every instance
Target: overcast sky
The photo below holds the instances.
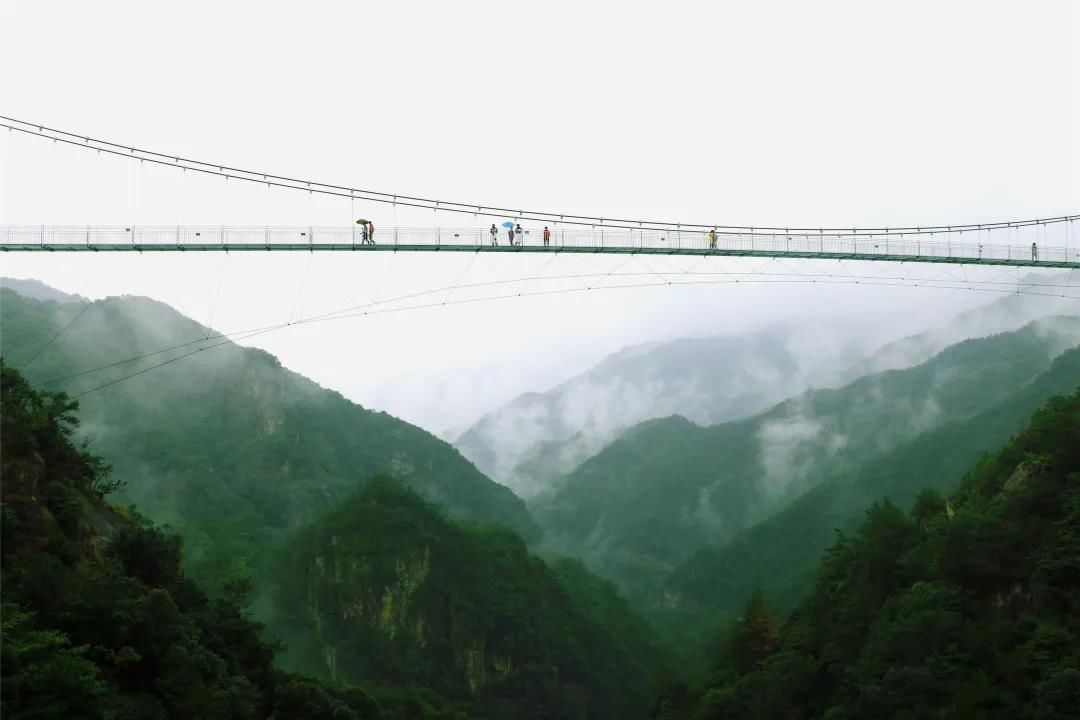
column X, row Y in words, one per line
column 783, row 113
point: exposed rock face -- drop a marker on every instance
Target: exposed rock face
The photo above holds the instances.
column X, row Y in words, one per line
column 1023, row 473
column 352, row 589
column 387, row 590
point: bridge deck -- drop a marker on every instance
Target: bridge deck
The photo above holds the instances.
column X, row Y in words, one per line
column 900, row 247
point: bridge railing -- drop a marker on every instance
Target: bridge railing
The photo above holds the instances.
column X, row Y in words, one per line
column 936, row 246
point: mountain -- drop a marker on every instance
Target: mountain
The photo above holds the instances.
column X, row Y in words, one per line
column 963, row 608
column 386, row 590
column 667, row 488
column 37, row 290
column 1004, row 314
column 539, row 437
column 227, row 446
column 98, row 619
column 779, row 555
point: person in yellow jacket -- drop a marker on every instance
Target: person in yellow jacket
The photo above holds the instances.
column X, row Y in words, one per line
column 712, row 239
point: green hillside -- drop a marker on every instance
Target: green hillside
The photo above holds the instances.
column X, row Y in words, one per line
column 385, row 589
column 779, row 555
column 227, row 446
column 99, row 621
column 962, row 609
column 668, row 488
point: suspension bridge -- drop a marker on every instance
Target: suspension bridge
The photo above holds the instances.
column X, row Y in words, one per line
column 1041, row 242
column 947, row 246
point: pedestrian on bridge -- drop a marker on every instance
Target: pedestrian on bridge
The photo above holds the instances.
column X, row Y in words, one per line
column 519, row 232
column 494, row 234
column 712, row 239
column 371, row 233
column 510, row 234
column 1034, row 252
column 547, row 236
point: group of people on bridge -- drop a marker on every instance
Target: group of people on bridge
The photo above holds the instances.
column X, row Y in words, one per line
column 367, row 236
column 513, row 231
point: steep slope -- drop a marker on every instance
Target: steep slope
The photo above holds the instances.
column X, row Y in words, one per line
column 539, row 437
column 227, row 446
column 98, row 619
column 779, row 555
column 965, row 609
column 667, row 488
column 386, row 590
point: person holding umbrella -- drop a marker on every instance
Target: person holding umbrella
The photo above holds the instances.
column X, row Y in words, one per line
column 494, row 234
column 509, row 231
column 363, row 231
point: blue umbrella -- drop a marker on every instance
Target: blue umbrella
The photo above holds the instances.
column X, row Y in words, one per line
column 508, row 224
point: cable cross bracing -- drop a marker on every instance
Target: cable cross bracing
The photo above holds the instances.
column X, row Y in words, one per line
column 478, row 209
column 636, row 279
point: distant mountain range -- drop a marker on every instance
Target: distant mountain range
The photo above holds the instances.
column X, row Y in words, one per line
column 537, row 438
column 668, row 487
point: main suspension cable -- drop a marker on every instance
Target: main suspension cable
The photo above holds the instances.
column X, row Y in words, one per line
column 395, row 199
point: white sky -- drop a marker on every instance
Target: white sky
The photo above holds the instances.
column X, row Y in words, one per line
column 785, row 113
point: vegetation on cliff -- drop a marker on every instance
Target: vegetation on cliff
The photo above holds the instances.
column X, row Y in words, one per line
column 386, row 589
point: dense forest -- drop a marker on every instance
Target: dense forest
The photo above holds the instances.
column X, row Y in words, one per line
column 434, row 619
column 99, row 619
column 967, row 607
column 712, row 585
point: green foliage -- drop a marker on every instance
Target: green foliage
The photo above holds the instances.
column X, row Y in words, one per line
column 98, row 620
column 964, row 609
column 755, row 636
column 785, row 548
column 43, row 676
column 394, row 593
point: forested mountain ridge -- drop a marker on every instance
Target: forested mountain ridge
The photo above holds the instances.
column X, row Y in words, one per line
column 779, row 556
column 540, row 436
column 667, row 488
column 964, row 608
column 226, row 445
column 386, row 590
column 435, row 620
column 99, row 621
